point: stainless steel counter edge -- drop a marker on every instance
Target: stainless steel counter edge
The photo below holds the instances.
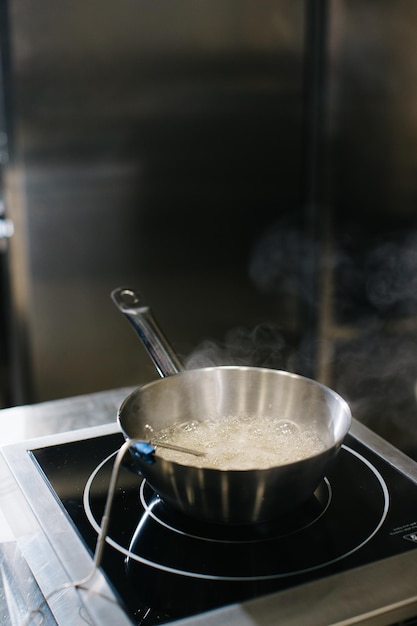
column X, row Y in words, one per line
column 21, row 423
column 52, row 571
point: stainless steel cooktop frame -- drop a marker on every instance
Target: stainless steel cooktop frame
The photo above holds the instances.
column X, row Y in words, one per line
column 381, row 593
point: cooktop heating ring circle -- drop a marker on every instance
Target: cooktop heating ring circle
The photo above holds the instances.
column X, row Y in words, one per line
column 148, row 508
column 129, row 554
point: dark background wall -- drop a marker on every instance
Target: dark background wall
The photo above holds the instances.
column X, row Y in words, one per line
column 250, row 167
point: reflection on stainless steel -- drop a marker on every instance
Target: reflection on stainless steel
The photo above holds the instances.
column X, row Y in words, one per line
column 140, row 316
column 221, row 496
column 151, row 160
column 245, row 496
column 19, row 590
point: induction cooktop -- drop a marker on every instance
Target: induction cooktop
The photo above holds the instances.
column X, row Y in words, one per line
column 164, row 565
column 161, row 567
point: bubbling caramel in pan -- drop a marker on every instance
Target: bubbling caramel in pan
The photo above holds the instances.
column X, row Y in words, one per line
column 239, row 443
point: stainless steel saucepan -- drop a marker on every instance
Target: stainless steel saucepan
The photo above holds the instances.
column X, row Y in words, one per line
column 226, row 496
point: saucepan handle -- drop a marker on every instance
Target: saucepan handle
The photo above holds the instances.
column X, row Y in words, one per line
column 131, row 304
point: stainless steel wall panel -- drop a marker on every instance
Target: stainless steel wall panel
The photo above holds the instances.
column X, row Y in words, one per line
column 372, row 233
column 155, row 143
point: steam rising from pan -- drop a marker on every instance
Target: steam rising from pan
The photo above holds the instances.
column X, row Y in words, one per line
column 373, row 357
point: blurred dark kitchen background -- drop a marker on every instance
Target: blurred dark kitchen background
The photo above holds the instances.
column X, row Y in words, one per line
column 250, row 167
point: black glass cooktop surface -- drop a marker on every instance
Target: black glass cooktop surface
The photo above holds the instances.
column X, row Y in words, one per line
column 164, row 565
